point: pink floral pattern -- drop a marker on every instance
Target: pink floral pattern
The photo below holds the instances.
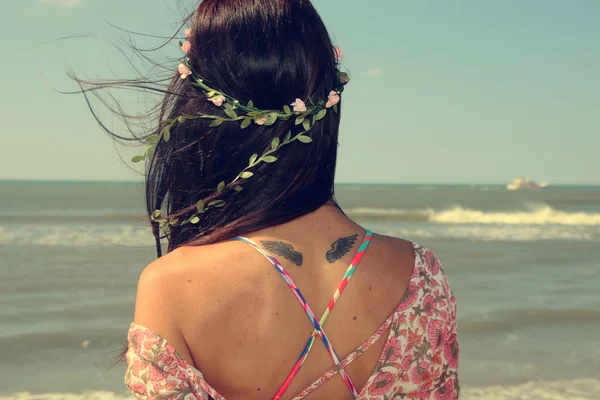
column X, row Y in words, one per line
column 419, row 359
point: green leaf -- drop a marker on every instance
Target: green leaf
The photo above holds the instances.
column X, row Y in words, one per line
column 287, row 109
column 180, row 43
column 230, row 113
column 138, row 159
column 195, row 220
column 246, row 122
column 200, row 206
column 306, row 124
column 275, row 143
column 216, row 122
column 238, row 188
column 246, row 175
column 211, row 93
column 250, row 104
column 299, row 120
column 221, row 187
column 153, row 139
column 269, row 159
column 166, row 133
column 253, row 159
column 288, row 136
column 335, row 109
column 156, row 214
column 304, row 139
column 321, row 114
column 271, row 118
column 217, row 203
column 173, row 221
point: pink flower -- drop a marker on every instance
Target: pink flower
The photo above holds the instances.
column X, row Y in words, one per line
column 382, row 384
column 451, row 352
column 339, row 54
column 418, row 373
column 432, row 262
column 445, row 391
column 188, row 33
column 137, row 368
column 332, row 99
column 186, row 47
column 138, row 389
column 184, row 71
column 171, row 385
column 436, row 333
column 414, row 339
column 217, row 100
column 169, row 361
column 261, row 121
column 410, row 297
column 429, row 305
column 407, row 362
column 299, row 106
column 392, row 350
column 155, row 374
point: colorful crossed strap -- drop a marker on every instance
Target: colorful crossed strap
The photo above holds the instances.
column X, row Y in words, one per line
column 317, row 324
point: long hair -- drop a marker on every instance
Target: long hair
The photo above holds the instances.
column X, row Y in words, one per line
column 267, row 51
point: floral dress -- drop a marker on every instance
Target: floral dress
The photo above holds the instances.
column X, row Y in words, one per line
column 419, row 359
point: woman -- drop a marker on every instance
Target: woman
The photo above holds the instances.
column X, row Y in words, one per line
column 240, row 181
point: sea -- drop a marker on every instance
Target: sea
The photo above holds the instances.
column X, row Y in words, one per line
column 524, row 265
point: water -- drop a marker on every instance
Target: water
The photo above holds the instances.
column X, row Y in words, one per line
column 524, row 266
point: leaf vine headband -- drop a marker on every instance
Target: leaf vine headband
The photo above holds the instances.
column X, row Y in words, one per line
column 304, row 114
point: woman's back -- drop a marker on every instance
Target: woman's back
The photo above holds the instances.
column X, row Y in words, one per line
column 229, row 314
column 269, row 291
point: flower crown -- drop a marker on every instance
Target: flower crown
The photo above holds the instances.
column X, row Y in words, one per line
column 304, row 114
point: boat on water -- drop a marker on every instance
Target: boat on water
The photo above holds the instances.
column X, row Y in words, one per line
column 526, row 184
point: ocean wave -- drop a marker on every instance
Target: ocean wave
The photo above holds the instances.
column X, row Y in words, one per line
column 575, row 389
column 541, row 223
column 64, row 235
column 128, row 236
column 493, row 233
column 518, row 319
column 540, row 215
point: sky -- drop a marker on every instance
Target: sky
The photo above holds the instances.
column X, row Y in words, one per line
column 442, row 91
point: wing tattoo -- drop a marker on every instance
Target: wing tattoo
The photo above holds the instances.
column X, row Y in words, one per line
column 340, row 248
column 285, row 250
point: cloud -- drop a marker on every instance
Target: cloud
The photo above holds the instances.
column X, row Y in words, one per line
column 62, row 3
column 376, row 72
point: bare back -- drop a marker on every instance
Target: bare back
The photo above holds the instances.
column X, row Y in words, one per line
column 240, row 324
column 220, row 322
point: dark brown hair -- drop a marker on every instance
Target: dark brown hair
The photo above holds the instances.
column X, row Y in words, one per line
column 267, row 51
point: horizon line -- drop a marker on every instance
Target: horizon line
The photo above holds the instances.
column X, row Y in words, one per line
column 125, row 181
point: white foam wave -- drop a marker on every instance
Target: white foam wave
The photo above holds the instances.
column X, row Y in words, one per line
column 542, row 223
column 539, row 215
column 577, row 389
column 485, row 233
column 544, row 215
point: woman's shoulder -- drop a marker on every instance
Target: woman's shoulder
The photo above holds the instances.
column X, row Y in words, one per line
column 423, row 271
column 186, row 280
